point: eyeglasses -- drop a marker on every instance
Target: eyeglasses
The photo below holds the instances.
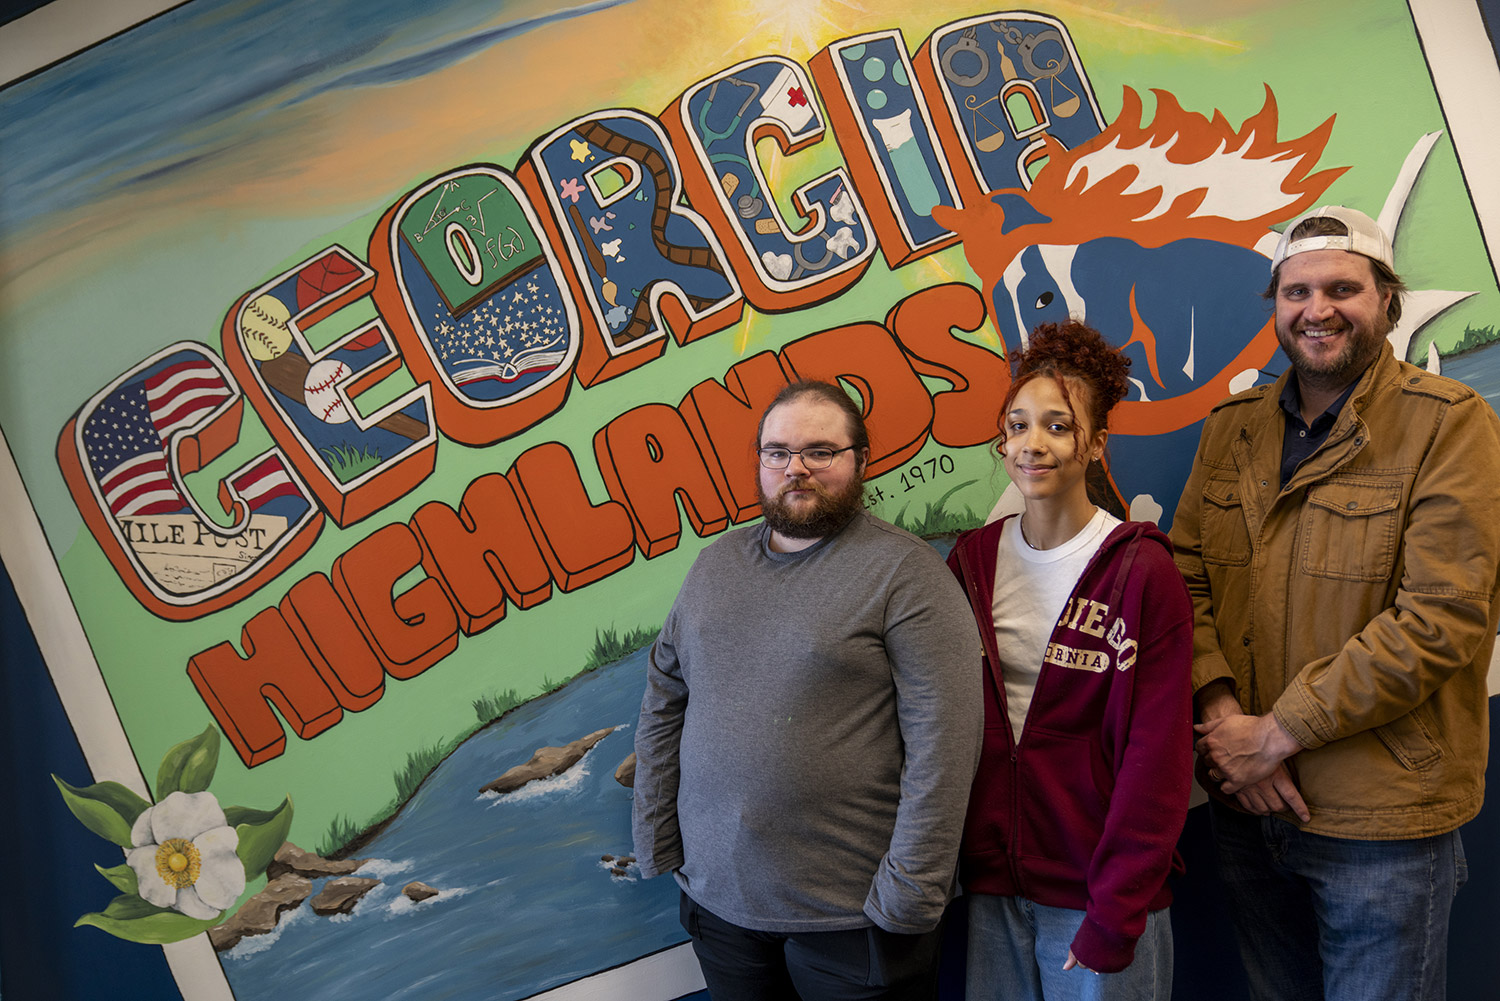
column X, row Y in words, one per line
column 812, row 458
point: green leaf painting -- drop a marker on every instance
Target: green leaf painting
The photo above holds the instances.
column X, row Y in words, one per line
column 122, row 876
column 130, row 917
column 189, row 766
column 106, row 808
column 261, row 833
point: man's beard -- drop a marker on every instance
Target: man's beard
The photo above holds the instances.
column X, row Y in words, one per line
column 1361, row 348
column 826, row 515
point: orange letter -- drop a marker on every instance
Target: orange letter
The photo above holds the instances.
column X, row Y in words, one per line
column 642, row 264
column 333, row 643
column 999, row 84
column 236, row 688
column 581, row 542
column 723, row 419
column 473, row 294
column 482, row 554
column 413, row 630
column 881, row 117
column 967, row 414
column 126, row 455
column 305, row 396
column 717, row 125
column 648, row 457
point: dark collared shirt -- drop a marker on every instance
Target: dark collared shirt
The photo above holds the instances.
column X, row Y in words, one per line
column 1302, row 440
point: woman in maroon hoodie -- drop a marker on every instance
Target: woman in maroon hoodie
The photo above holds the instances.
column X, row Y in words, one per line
column 1083, row 785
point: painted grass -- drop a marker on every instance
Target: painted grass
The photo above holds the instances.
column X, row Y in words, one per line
column 492, row 705
column 420, row 764
column 347, row 462
column 610, row 646
column 340, row 833
column 936, row 520
column 1474, row 337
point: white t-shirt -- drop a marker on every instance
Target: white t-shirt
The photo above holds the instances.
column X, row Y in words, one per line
column 1031, row 588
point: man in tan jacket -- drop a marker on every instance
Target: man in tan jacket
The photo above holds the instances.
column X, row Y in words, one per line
column 1340, row 540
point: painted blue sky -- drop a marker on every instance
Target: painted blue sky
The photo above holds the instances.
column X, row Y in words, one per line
column 191, row 85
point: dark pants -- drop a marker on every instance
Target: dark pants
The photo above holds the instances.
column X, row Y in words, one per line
column 861, row 964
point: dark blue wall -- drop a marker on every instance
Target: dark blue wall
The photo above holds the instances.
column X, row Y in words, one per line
column 1490, row 11
column 50, row 882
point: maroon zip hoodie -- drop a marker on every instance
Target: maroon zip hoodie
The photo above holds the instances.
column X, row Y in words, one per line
column 1085, row 811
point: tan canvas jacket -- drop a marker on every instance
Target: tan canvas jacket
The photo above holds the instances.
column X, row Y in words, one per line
column 1360, row 603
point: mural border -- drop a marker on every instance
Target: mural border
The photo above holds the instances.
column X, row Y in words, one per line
column 1467, row 82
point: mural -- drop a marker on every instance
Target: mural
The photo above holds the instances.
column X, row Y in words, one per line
column 375, row 371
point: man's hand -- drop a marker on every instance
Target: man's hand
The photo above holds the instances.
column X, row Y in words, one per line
column 1217, row 699
column 1274, row 794
column 1246, row 750
column 1073, row 961
column 1271, row 794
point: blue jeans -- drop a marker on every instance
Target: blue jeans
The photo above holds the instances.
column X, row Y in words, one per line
column 1017, row 949
column 1332, row 919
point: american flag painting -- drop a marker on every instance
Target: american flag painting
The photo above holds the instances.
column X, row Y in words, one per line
column 117, row 455
column 264, row 482
column 126, row 435
column 172, row 555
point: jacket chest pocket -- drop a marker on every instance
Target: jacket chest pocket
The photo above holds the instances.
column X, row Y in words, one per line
column 1224, row 537
column 1349, row 530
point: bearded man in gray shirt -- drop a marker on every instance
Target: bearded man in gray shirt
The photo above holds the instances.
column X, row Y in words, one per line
column 810, row 730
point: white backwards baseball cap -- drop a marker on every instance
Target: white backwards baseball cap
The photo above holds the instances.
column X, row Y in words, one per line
column 1365, row 237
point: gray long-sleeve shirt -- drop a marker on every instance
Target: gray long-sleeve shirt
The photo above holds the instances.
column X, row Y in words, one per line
column 809, row 733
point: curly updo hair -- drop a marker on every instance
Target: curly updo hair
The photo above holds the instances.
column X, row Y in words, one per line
column 1075, row 351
